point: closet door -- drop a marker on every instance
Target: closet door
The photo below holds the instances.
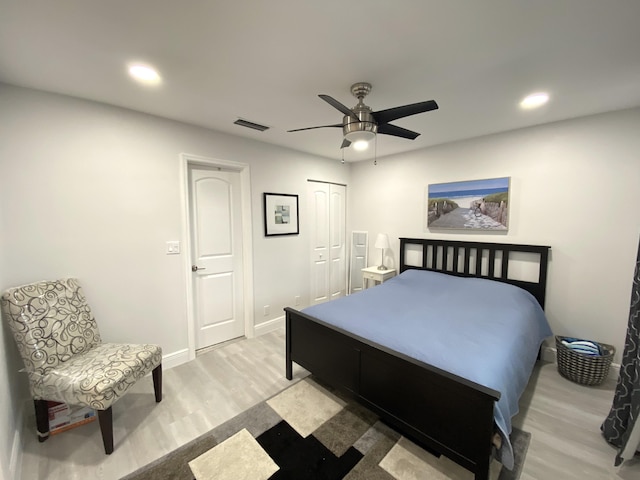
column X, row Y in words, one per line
column 327, row 214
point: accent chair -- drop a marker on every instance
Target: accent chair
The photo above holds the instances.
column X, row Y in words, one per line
column 64, row 357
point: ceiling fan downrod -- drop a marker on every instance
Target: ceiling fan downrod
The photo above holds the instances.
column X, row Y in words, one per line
column 360, row 90
column 365, row 128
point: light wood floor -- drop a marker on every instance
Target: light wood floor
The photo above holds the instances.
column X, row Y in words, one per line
column 563, row 417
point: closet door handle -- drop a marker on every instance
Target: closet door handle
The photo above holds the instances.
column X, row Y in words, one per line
column 195, row 268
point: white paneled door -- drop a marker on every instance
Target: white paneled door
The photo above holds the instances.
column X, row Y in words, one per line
column 327, row 212
column 217, row 263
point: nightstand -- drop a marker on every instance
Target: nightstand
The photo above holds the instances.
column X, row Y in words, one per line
column 378, row 276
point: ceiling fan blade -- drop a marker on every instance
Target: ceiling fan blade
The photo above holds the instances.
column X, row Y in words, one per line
column 388, row 129
column 391, row 114
column 311, row 128
column 345, row 143
column 336, row 104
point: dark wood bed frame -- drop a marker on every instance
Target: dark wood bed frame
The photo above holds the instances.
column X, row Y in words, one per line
column 439, row 410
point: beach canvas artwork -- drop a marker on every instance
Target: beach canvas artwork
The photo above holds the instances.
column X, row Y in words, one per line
column 472, row 204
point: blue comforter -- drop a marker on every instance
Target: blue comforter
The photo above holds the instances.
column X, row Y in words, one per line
column 485, row 331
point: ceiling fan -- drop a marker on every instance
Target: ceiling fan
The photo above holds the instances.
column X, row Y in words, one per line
column 360, row 124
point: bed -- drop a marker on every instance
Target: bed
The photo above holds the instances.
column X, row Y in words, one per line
column 440, row 406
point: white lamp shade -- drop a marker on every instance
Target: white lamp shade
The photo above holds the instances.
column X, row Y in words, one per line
column 382, row 241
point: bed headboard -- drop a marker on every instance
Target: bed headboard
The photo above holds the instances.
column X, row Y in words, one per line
column 477, row 259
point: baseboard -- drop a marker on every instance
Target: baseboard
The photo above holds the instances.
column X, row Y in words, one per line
column 269, row 326
column 548, row 354
column 174, row 359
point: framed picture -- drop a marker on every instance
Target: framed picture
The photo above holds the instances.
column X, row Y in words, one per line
column 473, row 204
column 280, row 214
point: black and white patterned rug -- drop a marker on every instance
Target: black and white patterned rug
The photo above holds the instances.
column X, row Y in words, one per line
column 308, row 432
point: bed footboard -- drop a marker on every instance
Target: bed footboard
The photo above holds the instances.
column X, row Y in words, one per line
column 437, row 409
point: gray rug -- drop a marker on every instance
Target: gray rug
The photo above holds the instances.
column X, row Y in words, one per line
column 305, row 432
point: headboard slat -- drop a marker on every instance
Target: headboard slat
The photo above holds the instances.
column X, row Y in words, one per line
column 478, row 262
column 505, row 264
column 425, row 258
column 467, row 252
column 492, row 262
column 445, row 258
column 456, row 254
column 434, row 256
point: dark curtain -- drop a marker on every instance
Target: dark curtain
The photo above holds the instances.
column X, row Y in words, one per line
column 625, row 411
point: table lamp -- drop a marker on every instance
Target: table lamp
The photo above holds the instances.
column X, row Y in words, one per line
column 382, row 242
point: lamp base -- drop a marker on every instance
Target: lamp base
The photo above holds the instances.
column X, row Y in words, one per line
column 382, row 267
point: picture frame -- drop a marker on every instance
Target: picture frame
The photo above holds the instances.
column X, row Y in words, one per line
column 281, row 214
column 469, row 205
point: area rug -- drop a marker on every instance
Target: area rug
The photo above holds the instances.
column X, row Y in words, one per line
column 308, row 431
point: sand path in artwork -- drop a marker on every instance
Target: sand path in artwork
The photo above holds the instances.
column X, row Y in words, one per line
column 465, row 218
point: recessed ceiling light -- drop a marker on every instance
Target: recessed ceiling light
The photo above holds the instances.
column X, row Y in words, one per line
column 534, row 100
column 144, row 74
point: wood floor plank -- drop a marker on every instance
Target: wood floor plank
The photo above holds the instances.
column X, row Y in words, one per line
column 564, row 418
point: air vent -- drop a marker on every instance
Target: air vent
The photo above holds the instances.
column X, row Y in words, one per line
column 248, row 124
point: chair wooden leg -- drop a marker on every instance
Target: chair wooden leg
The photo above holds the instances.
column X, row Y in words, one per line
column 42, row 419
column 105, row 417
column 157, row 382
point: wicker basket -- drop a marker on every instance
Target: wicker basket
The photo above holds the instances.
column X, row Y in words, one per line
column 582, row 368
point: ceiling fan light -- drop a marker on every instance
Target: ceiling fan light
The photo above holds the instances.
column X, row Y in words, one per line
column 360, row 136
column 360, row 145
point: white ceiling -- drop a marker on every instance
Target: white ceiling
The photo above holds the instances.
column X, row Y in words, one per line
column 267, row 60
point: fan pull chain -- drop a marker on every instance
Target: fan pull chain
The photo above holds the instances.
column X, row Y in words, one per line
column 375, row 150
column 342, row 150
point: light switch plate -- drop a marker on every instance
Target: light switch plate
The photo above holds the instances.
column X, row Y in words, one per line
column 173, row 247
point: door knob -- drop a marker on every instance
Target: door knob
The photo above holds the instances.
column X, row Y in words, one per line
column 195, row 268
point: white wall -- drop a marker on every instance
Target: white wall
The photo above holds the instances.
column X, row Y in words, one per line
column 6, row 414
column 282, row 264
column 575, row 186
column 93, row 191
column 14, row 388
column 12, row 395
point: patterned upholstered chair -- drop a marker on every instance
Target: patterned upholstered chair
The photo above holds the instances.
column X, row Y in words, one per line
column 64, row 357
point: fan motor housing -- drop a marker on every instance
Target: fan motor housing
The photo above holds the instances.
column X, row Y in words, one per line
column 366, row 123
